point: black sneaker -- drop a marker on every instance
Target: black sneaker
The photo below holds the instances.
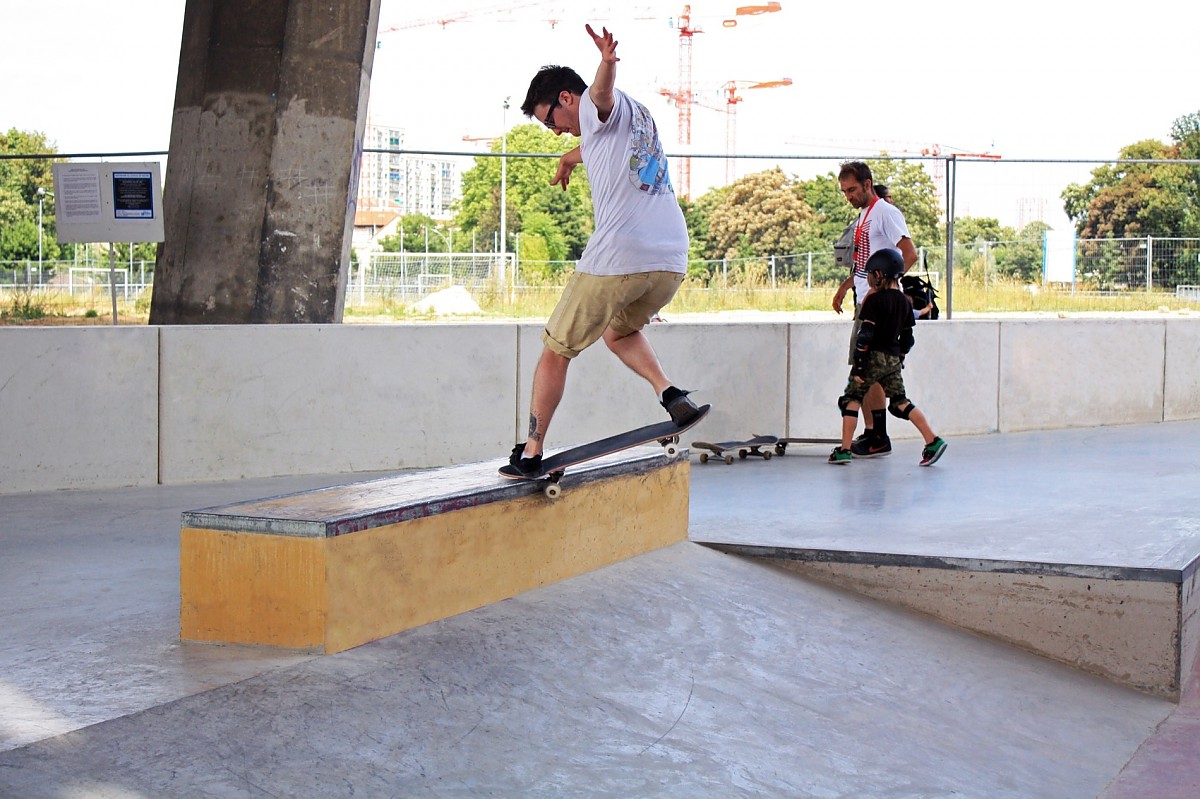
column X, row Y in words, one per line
column 683, row 411
column 526, row 466
column 871, row 447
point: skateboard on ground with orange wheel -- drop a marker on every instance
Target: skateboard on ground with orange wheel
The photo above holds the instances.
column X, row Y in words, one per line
column 745, row 449
column 556, row 465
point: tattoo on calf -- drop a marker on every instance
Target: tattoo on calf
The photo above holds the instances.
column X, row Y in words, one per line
column 534, row 435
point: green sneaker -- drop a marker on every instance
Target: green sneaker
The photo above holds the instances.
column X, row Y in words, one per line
column 840, row 455
column 932, row 452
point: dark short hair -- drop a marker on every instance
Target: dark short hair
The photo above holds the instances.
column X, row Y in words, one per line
column 856, row 169
column 548, row 83
column 881, row 191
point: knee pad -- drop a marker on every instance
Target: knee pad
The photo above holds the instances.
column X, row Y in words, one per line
column 894, row 409
column 844, row 401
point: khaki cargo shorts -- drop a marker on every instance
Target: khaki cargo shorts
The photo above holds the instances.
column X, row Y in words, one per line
column 590, row 304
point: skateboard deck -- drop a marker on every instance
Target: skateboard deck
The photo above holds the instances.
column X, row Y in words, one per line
column 752, row 446
column 555, row 466
column 781, row 444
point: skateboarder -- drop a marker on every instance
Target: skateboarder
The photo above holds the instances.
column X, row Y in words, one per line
column 636, row 258
column 884, row 338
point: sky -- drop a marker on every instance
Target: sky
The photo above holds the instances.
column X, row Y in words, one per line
column 1023, row 80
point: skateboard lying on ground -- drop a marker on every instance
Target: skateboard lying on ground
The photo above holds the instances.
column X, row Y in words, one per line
column 744, row 448
column 781, row 444
column 555, row 466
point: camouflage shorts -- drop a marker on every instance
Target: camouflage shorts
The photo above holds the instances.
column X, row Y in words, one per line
column 883, row 369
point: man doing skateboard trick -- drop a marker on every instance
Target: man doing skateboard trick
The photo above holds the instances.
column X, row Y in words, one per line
column 636, row 258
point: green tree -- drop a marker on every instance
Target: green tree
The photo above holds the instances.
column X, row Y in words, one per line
column 696, row 215
column 914, row 193
column 1185, row 132
column 529, row 195
column 20, row 179
column 975, row 245
column 410, row 235
column 759, row 215
column 972, row 229
column 1022, row 259
column 1131, row 198
column 543, row 248
column 1127, row 199
column 824, row 196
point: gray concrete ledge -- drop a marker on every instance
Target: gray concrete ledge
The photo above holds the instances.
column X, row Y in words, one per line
column 338, row 510
column 1156, row 575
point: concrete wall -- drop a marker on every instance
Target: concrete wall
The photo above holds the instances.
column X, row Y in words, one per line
column 102, row 407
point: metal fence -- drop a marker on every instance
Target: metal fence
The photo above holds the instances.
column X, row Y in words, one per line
column 1169, row 266
column 411, row 276
column 1018, row 192
column 70, row 279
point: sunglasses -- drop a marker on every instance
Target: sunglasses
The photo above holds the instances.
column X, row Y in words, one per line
column 549, row 120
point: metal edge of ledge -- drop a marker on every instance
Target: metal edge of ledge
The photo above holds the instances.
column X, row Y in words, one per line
column 473, row 496
column 1032, row 568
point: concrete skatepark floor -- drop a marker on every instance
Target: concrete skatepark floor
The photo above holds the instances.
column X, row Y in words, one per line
column 682, row 673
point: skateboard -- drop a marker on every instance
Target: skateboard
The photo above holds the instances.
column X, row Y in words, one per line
column 555, row 466
column 782, row 443
column 745, row 449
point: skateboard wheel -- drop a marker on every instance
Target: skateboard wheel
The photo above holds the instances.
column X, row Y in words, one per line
column 780, row 449
column 766, row 455
column 671, row 450
column 742, row 454
column 552, row 490
column 728, row 460
column 704, row 457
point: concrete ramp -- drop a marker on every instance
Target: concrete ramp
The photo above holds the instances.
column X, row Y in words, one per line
column 1043, row 540
column 1134, row 626
column 681, row 673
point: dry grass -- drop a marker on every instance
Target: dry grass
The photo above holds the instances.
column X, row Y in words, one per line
column 22, row 307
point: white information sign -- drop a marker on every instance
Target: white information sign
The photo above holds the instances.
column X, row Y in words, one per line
column 108, row 202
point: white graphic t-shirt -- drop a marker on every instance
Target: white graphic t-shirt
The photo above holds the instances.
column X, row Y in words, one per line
column 638, row 224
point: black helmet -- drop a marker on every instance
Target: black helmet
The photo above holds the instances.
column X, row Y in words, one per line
column 887, row 261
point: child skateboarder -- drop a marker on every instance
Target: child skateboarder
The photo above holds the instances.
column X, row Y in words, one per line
column 883, row 341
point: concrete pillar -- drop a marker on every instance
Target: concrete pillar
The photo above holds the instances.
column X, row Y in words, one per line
column 259, row 190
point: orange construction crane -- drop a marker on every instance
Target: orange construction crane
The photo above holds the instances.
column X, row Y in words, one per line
column 732, row 98
column 683, row 96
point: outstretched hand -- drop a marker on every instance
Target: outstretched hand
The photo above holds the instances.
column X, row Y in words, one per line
column 566, row 165
column 605, row 43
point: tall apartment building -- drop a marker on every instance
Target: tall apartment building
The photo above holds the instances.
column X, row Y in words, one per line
column 1030, row 209
column 405, row 184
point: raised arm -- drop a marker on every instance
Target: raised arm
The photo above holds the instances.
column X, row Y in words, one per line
column 601, row 90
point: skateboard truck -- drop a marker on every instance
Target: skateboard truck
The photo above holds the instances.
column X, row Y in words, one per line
column 555, row 466
column 553, row 490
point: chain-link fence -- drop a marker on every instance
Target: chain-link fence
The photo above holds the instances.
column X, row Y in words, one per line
column 968, row 193
column 411, row 276
column 73, row 280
